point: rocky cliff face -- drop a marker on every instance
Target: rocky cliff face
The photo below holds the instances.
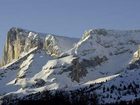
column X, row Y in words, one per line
column 20, row 41
column 17, row 42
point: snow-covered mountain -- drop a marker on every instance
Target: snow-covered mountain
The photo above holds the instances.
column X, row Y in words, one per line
column 103, row 63
column 20, row 41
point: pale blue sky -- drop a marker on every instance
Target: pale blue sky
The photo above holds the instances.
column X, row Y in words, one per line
column 68, row 17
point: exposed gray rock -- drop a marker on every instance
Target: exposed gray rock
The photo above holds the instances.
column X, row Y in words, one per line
column 39, row 83
column 79, row 69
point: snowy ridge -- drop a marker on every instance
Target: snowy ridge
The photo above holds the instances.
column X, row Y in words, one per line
column 20, row 41
column 106, row 58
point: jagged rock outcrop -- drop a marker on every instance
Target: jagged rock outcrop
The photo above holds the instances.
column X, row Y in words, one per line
column 20, row 41
column 79, row 68
column 135, row 62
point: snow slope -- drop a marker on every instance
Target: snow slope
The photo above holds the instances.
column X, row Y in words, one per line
column 20, row 41
column 101, row 56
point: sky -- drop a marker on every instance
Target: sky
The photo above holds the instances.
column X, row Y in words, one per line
column 67, row 17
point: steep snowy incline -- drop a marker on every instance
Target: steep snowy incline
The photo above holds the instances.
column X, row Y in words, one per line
column 115, row 41
column 17, row 75
column 105, row 52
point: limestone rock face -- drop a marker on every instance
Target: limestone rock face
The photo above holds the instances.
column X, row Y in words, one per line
column 20, row 41
column 15, row 44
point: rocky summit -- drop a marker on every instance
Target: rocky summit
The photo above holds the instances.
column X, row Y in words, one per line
column 100, row 68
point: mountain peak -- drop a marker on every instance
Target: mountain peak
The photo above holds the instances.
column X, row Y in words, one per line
column 21, row 41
